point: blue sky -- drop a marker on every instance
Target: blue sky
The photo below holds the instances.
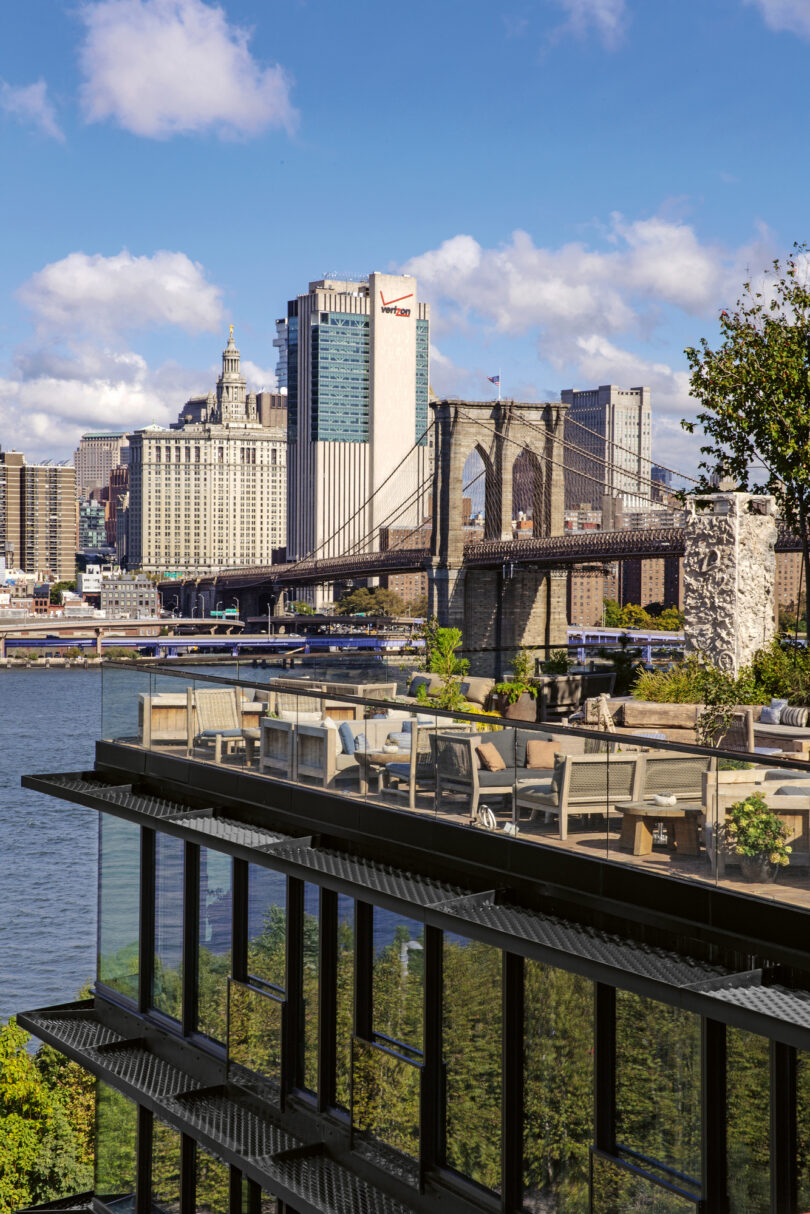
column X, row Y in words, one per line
column 580, row 186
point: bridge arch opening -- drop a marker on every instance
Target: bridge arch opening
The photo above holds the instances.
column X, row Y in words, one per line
column 480, row 497
column 527, row 494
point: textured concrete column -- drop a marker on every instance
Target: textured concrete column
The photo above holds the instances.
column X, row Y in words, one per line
column 729, row 576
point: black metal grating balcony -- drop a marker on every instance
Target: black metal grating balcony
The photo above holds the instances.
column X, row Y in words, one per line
column 329, row 1187
column 229, row 831
column 79, row 1029
column 778, row 1002
column 142, row 1071
column 221, row 1115
column 574, row 939
column 379, row 878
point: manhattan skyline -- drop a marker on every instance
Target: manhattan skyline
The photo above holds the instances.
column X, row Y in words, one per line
column 578, row 185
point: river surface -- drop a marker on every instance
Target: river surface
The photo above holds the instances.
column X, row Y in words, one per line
column 49, row 721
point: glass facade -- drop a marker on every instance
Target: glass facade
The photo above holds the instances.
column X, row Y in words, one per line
column 558, row 1094
column 166, row 1168
column 167, row 975
column 344, row 996
column 471, row 1048
column 214, row 942
column 267, row 926
column 398, row 981
column 116, row 1162
column 212, row 1184
column 292, row 379
column 658, row 1086
column 748, row 1126
column 310, row 985
column 340, row 378
column 119, row 900
column 422, row 378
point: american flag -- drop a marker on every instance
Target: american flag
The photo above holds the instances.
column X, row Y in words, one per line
column 494, row 379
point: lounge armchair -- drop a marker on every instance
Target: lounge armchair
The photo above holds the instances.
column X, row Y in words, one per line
column 458, row 770
column 218, row 721
column 583, row 785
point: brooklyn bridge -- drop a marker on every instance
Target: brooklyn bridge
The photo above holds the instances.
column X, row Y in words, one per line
column 490, row 584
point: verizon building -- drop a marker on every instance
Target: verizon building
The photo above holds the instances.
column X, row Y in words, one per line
column 354, row 357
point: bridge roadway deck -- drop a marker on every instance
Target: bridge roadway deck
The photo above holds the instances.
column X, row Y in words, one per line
column 552, row 551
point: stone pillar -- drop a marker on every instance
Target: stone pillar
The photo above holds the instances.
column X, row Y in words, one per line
column 729, row 576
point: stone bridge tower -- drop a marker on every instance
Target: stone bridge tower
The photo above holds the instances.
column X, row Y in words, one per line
column 497, row 609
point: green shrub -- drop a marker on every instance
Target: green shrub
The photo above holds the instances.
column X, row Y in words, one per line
column 753, row 829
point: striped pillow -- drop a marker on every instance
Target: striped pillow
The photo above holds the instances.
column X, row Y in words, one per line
column 794, row 716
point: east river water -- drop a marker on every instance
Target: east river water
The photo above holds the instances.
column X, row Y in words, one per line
column 49, row 721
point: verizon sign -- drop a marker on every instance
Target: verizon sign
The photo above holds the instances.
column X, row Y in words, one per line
column 389, row 305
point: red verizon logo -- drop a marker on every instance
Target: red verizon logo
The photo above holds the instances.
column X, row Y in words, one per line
column 388, row 305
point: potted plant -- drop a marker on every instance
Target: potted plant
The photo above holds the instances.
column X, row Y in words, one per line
column 516, row 698
column 758, row 836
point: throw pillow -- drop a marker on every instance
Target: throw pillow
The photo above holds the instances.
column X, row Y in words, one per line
column 540, row 753
column 780, row 704
column 402, row 740
column 489, row 758
column 794, row 716
column 361, row 743
column 347, row 738
column 329, row 723
column 770, row 716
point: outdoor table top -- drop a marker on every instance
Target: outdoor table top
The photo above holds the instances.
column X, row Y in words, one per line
column 649, row 809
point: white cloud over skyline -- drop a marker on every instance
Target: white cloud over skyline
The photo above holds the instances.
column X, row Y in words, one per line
column 785, row 16
column 79, row 371
column 168, row 67
column 30, row 105
column 607, row 17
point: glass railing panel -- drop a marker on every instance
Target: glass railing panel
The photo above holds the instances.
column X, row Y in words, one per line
column 748, row 1122
column 255, row 1034
column 124, row 695
column 618, row 1189
column 166, row 1168
column 386, row 1107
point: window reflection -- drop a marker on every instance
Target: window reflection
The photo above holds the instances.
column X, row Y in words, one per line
column 119, row 905
column 267, row 925
column 214, row 957
column 116, row 1147
column 310, row 985
column 398, row 978
column 212, row 1184
column 166, row 1168
column 344, row 1026
column 658, row 1083
column 558, row 1092
column 472, row 1058
column 748, row 1130
column 167, row 985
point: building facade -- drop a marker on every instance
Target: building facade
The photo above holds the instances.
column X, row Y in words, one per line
column 307, row 1003
column 608, row 435
column 354, row 358
column 38, row 516
column 92, row 524
column 95, row 457
column 209, row 493
column 131, row 595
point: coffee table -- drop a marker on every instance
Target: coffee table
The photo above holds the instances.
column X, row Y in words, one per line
column 372, row 764
column 639, row 817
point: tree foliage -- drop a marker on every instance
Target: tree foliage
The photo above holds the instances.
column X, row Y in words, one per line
column 755, row 392
column 43, row 1155
column 377, row 601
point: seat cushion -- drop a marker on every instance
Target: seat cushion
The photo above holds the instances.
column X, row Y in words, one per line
column 537, row 788
column 402, row 771
column 497, row 779
column 220, row 733
column 346, row 734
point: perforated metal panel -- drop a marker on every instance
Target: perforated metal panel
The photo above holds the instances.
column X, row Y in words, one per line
column 143, row 1071
column 77, row 1030
column 229, row 831
column 224, row 1118
column 793, row 1007
column 574, row 939
column 333, row 1189
column 381, row 878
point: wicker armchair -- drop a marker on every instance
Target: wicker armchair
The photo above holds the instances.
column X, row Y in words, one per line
column 584, row 784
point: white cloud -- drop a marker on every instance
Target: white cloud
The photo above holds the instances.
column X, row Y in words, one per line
column 259, row 378
column 30, row 104
column 166, row 67
column 790, row 16
column 109, row 295
column 565, row 291
column 79, row 370
column 607, row 17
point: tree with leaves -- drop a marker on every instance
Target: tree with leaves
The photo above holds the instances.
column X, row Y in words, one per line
column 755, row 392
column 377, row 601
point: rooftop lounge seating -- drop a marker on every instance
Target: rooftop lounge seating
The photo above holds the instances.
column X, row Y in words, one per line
column 214, row 717
column 459, row 771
